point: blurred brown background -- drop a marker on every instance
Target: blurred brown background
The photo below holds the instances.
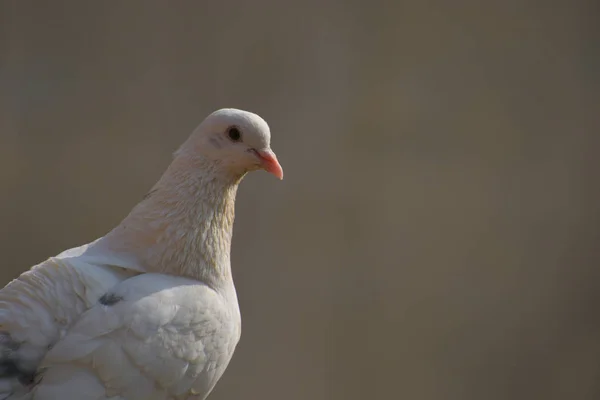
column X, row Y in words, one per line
column 436, row 233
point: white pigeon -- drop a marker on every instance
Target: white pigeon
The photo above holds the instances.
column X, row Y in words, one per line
column 149, row 311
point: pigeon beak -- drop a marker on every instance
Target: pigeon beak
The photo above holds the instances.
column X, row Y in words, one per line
column 269, row 163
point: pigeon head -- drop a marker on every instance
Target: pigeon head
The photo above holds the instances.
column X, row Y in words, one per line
column 236, row 140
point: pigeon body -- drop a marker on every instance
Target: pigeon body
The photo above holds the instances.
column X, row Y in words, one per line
column 148, row 311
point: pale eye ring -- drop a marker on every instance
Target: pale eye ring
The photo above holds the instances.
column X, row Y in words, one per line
column 234, row 134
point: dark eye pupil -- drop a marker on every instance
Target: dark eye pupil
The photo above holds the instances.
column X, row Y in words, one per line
column 234, row 134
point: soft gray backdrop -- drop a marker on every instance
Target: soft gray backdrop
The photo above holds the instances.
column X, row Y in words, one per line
column 436, row 234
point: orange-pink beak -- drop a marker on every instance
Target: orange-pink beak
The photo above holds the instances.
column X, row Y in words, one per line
column 269, row 162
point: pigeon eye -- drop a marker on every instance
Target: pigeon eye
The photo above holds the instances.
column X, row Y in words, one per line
column 234, row 134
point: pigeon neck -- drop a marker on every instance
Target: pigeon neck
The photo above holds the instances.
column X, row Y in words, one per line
column 184, row 224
